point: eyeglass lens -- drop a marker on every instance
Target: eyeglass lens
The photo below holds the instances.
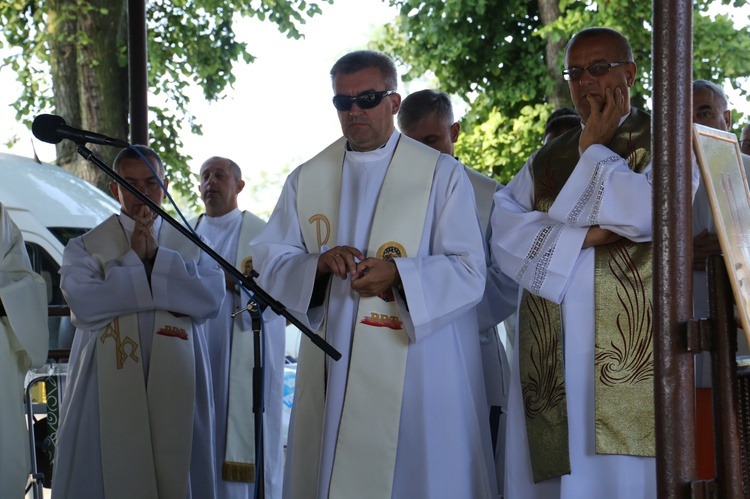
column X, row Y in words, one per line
column 597, row 69
column 367, row 100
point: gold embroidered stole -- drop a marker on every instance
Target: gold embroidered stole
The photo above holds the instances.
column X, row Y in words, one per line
column 624, row 414
column 365, row 455
column 146, row 426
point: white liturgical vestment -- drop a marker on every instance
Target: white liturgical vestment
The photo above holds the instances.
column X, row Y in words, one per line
column 23, row 345
column 566, row 277
column 224, row 234
column 96, row 297
column 443, row 448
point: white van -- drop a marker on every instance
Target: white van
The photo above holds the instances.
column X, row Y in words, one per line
column 50, row 206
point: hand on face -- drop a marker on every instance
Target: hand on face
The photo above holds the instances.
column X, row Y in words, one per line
column 143, row 241
column 604, row 119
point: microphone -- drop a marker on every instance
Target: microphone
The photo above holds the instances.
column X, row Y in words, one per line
column 52, row 129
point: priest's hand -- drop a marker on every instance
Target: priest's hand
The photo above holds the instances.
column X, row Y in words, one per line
column 339, row 260
column 596, row 236
column 143, row 241
column 604, row 119
column 374, row 276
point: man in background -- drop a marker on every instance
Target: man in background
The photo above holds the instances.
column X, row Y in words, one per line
column 710, row 108
column 745, row 140
column 560, row 121
column 230, row 345
column 427, row 116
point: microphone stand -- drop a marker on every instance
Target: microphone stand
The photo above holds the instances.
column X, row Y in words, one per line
column 264, row 299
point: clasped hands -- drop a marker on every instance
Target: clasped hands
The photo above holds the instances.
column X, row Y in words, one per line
column 143, row 241
column 369, row 276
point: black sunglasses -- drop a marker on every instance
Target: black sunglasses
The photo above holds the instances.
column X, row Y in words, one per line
column 367, row 100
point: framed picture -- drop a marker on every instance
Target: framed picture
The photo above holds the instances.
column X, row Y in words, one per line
column 723, row 174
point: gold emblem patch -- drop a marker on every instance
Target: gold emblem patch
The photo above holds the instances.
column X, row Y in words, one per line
column 247, row 265
column 390, row 250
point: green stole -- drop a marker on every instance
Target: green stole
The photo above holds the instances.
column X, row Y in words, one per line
column 623, row 364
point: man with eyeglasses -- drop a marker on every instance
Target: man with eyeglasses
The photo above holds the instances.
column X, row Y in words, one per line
column 375, row 242
column 574, row 229
column 427, row 116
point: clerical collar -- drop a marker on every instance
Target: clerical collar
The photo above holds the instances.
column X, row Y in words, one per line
column 223, row 219
column 349, row 148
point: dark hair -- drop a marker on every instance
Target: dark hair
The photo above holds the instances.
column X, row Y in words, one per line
column 423, row 103
column 233, row 167
column 712, row 87
column 363, row 59
column 563, row 111
column 620, row 40
column 132, row 153
column 561, row 124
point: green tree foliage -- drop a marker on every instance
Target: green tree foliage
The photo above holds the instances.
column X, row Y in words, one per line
column 492, row 54
column 71, row 58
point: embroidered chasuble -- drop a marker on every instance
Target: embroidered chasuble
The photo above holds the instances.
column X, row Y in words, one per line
column 367, row 442
column 146, row 421
column 623, row 364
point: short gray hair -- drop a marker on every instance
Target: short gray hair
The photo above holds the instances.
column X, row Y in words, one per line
column 364, row 59
column 716, row 89
column 423, row 103
column 234, row 167
column 132, row 152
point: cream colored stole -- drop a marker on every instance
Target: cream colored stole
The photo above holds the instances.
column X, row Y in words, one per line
column 239, row 458
column 146, row 427
column 484, row 193
column 367, row 443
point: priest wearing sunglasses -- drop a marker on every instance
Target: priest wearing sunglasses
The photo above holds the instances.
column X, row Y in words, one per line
column 376, row 244
column 574, row 229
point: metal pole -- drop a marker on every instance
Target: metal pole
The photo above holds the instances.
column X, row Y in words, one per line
column 674, row 384
column 138, row 71
column 724, row 375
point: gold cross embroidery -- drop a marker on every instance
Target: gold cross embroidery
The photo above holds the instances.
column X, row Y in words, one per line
column 113, row 330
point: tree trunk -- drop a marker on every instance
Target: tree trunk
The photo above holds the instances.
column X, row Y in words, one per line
column 549, row 11
column 101, row 77
column 61, row 28
column 86, row 61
